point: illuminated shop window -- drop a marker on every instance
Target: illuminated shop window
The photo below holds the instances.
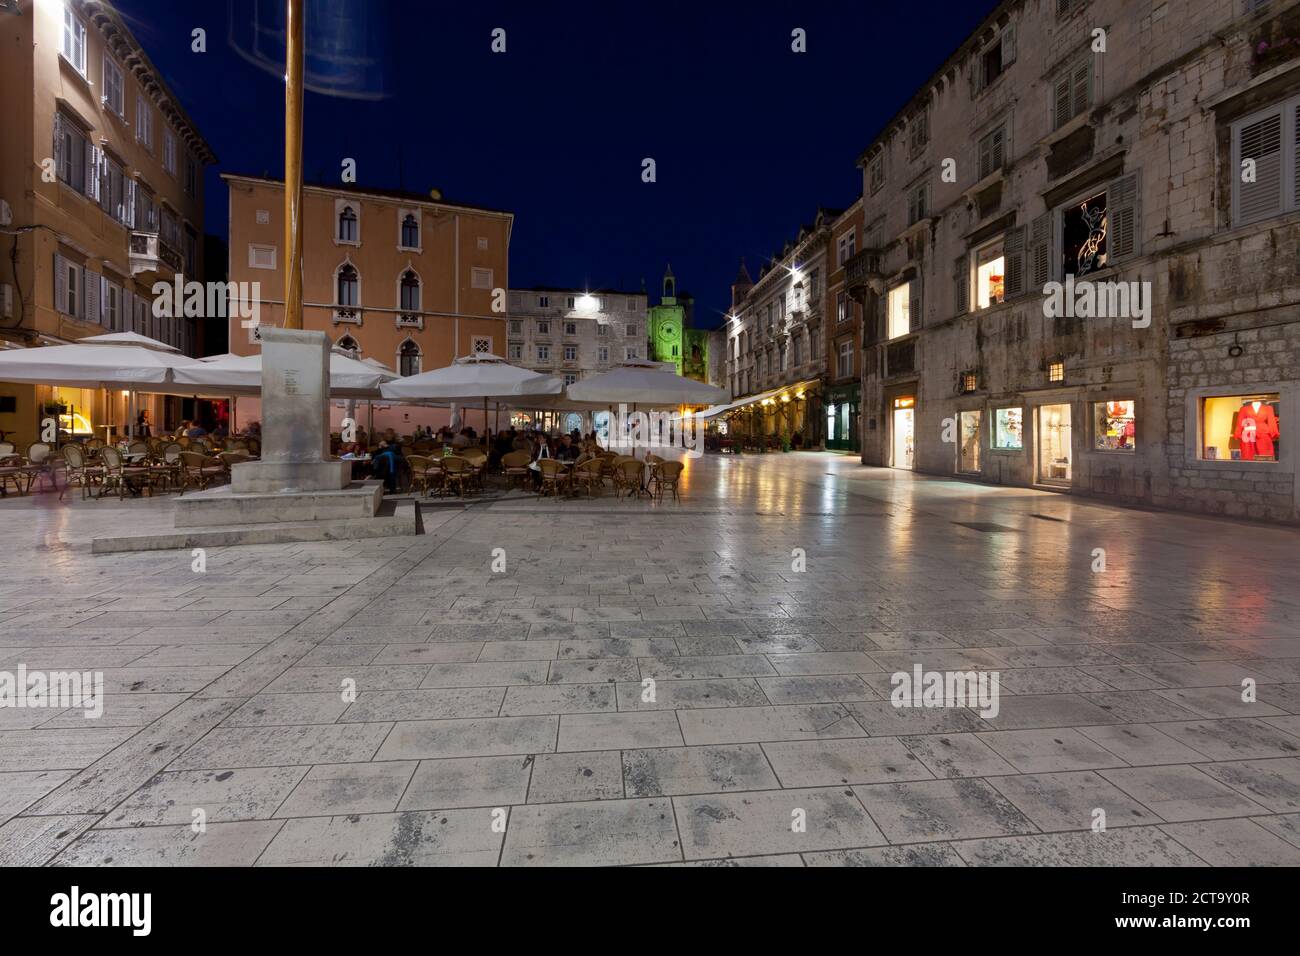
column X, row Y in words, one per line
column 1009, row 429
column 1241, row 427
column 1114, row 426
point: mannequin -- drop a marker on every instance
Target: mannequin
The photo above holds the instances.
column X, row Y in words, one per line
column 1256, row 430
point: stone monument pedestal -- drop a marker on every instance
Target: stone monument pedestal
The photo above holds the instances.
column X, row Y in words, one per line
column 295, row 419
column 296, row 492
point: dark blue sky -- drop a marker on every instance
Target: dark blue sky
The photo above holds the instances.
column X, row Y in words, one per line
column 749, row 138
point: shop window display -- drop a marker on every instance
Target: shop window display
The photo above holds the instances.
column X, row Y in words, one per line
column 1114, row 426
column 1009, row 429
column 1241, row 427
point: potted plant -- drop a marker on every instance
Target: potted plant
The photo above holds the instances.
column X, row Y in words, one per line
column 785, row 441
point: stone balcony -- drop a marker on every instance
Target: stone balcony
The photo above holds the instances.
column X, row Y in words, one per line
column 152, row 258
column 861, row 271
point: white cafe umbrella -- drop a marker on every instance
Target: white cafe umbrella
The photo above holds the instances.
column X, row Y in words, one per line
column 88, row 364
column 477, row 377
column 242, row 375
column 121, row 360
column 645, row 384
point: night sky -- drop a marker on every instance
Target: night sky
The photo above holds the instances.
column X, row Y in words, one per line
column 748, row 137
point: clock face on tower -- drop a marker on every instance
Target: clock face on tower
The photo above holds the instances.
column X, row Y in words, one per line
column 668, row 330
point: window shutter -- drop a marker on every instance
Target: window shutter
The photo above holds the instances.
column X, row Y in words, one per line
column 961, row 285
column 1014, row 250
column 130, row 202
column 104, row 318
column 60, row 284
column 914, row 305
column 1061, row 100
column 90, row 292
column 60, row 161
column 1041, row 251
column 1124, row 202
column 88, row 182
column 1262, row 142
column 1008, row 46
column 1081, row 83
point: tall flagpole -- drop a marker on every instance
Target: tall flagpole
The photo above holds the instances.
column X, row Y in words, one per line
column 293, row 165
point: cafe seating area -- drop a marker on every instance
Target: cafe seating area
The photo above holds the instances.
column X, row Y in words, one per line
column 142, row 466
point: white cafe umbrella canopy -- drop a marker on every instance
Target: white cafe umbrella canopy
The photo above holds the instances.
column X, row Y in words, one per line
column 242, row 374
column 475, row 377
column 478, row 377
column 644, row 384
column 121, row 360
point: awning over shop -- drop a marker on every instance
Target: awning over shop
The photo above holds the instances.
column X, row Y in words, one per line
column 795, row 391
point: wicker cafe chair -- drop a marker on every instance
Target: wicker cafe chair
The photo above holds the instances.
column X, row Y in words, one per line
column 478, row 460
column 165, row 468
column 552, row 473
column 457, row 473
column 590, row 474
column 666, row 476
column 199, row 471
column 514, row 465
column 77, row 471
column 423, row 473
column 40, row 464
column 121, row 476
column 628, row 473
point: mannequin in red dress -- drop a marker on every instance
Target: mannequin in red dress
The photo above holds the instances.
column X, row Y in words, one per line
column 1256, row 430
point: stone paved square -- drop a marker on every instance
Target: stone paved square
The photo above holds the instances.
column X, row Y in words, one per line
column 662, row 687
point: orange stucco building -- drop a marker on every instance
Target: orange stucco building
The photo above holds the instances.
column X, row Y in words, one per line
column 411, row 280
column 101, row 196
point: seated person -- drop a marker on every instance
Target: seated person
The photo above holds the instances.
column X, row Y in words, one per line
column 543, row 450
column 567, row 451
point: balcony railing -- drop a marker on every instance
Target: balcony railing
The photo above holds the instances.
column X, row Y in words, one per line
column 860, row 270
column 150, row 254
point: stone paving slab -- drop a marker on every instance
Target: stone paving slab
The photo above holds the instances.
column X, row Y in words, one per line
column 662, row 688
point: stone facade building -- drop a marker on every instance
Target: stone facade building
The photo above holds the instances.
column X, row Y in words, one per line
column 575, row 333
column 775, row 361
column 843, row 392
column 1080, row 269
column 101, row 190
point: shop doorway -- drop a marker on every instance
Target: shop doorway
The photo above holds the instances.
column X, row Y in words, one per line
column 968, row 442
column 904, row 432
column 1054, row 444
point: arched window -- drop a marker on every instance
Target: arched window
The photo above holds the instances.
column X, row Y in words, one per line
column 410, row 232
column 347, row 225
column 348, row 344
column 408, row 359
column 410, row 292
column 348, row 286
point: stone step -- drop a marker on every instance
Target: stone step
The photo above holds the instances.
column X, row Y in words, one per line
column 222, row 507
column 393, row 518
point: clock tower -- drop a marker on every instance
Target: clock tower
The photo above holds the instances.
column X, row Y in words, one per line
column 671, row 337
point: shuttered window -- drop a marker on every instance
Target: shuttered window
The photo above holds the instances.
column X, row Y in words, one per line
column 961, row 285
column 1072, row 91
column 1264, row 163
column 993, row 151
